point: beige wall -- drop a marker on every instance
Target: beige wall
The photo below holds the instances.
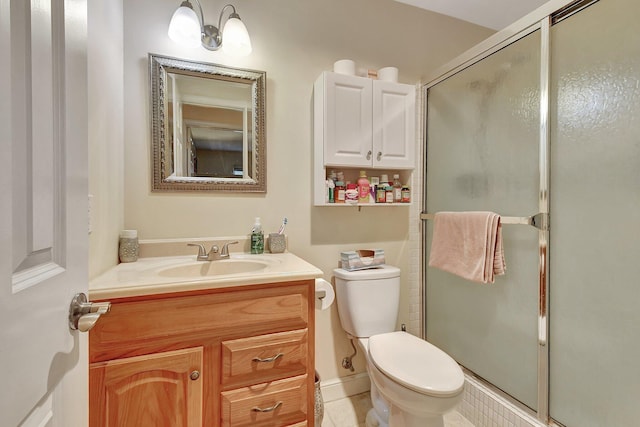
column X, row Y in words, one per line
column 293, row 41
column 106, row 131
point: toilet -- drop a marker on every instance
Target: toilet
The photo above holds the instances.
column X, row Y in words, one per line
column 413, row 383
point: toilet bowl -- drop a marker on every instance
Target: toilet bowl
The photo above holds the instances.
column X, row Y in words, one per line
column 413, row 383
column 420, row 382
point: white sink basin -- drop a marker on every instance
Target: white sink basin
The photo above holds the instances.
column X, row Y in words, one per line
column 213, row 268
column 237, row 264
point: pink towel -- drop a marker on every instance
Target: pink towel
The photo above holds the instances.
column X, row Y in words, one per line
column 468, row 244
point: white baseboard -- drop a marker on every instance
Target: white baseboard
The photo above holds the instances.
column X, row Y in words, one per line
column 339, row 388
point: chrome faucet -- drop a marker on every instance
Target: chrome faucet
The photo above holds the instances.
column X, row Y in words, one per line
column 225, row 249
column 214, row 254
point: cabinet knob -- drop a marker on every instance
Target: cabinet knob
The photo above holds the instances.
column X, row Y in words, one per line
column 379, row 157
column 268, row 359
column 369, row 155
column 194, row 375
column 269, row 409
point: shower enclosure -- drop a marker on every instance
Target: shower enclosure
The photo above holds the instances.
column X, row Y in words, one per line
column 543, row 128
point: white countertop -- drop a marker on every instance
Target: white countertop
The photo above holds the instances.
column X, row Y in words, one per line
column 145, row 277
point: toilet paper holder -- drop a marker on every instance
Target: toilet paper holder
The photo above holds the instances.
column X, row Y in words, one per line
column 324, row 294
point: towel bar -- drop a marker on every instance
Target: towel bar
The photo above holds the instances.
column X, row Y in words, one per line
column 539, row 220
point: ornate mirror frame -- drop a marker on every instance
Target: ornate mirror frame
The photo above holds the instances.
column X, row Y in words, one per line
column 162, row 177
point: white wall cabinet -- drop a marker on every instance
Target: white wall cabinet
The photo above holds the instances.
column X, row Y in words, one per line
column 365, row 123
column 360, row 123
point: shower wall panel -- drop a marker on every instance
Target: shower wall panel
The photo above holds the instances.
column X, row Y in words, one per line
column 595, row 216
column 482, row 154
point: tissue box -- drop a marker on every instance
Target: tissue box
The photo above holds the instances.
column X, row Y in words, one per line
column 362, row 259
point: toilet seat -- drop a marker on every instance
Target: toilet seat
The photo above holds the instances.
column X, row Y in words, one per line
column 416, row 364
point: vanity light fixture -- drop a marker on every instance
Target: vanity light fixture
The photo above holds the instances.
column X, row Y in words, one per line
column 189, row 30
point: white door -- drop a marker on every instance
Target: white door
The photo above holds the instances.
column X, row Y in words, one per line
column 43, row 211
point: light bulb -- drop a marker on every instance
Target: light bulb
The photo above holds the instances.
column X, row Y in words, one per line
column 235, row 38
column 184, row 27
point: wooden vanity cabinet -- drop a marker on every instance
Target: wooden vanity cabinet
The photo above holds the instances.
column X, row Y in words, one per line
column 223, row 357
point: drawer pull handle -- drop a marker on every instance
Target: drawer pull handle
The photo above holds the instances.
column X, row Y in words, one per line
column 268, row 359
column 269, row 409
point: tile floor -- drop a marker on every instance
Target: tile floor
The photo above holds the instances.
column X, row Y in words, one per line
column 351, row 412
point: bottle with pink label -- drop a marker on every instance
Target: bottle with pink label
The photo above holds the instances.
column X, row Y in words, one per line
column 363, row 188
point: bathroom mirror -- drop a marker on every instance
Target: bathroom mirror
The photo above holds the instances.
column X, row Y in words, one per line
column 207, row 126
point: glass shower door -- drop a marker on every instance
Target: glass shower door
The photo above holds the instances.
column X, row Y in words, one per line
column 482, row 154
column 595, row 217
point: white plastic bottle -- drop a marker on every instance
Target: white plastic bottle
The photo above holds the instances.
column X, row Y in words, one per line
column 257, row 238
column 331, row 185
column 397, row 189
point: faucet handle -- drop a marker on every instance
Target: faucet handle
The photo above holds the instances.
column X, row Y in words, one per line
column 202, row 252
column 225, row 248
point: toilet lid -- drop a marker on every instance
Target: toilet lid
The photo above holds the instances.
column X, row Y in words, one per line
column 416, row 364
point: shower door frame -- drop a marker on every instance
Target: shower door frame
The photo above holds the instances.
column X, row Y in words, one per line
column 539, row 20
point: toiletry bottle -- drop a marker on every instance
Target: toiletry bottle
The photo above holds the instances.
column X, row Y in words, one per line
column 326, row 190
column 397, row 188
column 351, row 194
column 384, row 180
column 375, row 183
column 381, row 191
column 389, row 194
column 331, row 184
column 406, row 194
column 363, row 188
column 257, row 238
column 338, row 195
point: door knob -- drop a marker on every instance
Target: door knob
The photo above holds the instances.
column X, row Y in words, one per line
column 86, row 321
column 83, row 314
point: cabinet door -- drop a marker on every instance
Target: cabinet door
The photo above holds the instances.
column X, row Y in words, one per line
column 394, row 112
column 163, row 389
column 347, row 120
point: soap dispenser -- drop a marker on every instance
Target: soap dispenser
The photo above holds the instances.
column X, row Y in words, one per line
column 257, row 238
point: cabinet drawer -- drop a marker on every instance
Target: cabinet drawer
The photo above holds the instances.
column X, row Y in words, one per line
column 263, row 358
column 278, row 403
column 224, row 315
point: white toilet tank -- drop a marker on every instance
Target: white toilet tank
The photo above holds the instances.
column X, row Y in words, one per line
column 368, row 300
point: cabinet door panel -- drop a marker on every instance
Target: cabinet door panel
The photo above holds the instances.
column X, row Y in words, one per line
column 347, row 121
column 151, row 390
column 394, row 125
